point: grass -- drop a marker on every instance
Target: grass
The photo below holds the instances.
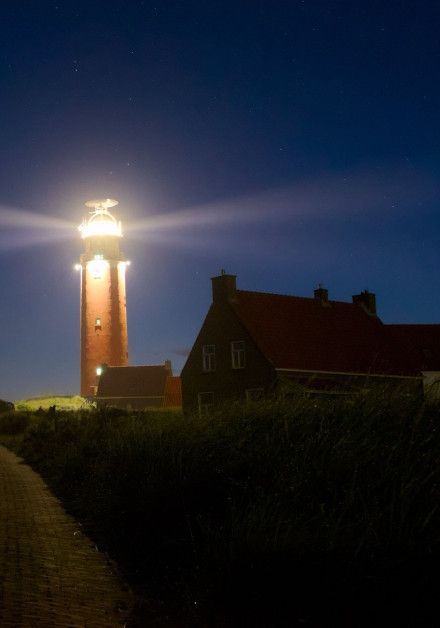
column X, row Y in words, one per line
column 70, row 403
column 298, row 513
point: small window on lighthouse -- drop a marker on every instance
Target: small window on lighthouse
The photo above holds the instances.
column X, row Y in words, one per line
column 97, row 268
column 97, row 323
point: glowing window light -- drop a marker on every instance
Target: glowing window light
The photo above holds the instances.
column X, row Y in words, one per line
column 97, row 267
column 99, row 371
column 100, row 228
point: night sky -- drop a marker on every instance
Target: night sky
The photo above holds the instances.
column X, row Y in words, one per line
column 290, row 143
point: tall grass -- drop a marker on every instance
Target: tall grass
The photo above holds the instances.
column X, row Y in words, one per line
column 298, row 513
column 66, row 402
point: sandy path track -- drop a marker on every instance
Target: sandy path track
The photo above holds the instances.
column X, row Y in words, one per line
column 50, row 573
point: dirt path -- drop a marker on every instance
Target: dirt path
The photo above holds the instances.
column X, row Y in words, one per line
column 50, row 573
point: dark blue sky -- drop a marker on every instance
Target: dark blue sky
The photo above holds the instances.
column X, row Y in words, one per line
column 291, row 143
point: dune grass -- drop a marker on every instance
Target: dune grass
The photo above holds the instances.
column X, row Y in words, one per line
column 299, row 513
column 67, row 402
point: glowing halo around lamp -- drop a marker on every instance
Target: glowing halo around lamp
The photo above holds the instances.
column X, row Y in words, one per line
column 101, row 221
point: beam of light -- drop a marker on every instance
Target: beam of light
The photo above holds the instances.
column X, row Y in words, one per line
column 332, row 197
column 21, row 228
column 15, row 218
column 15, row 240
column 234, row 247
column 375, row 192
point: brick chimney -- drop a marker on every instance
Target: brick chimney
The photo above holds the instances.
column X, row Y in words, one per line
column 223, row 287
column 168, row 366
column 321, row 294
column 367, row 300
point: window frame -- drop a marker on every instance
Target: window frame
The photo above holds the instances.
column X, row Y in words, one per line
column 209, row 361
column 238, row 356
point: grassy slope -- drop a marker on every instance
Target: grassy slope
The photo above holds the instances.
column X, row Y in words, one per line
column 70, row 403
column 299, row 514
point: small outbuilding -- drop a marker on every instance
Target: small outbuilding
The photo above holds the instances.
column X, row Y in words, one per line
column 139, row 387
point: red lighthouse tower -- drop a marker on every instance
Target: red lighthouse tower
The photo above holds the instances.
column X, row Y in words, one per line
column 104, row 337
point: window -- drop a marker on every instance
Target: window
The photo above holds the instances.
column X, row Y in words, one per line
column 97, row 267
column 206, row 402
column 98, row 324
column 238, row 354
column 254, row 394
column 208, row 358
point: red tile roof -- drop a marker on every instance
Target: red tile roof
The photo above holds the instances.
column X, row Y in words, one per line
column 306, row 334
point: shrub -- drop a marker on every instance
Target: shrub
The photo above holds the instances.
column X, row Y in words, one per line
column 12, row 423
column 69, row 403
column 6, row 406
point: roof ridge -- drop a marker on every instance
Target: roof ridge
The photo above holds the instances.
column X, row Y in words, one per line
column 292, row 296
column 412, row 324
column 137, row 366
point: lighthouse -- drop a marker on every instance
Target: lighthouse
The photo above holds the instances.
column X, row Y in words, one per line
column 104, row 339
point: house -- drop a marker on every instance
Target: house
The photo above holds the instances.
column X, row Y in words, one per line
column 139, row 387
column 256, row 344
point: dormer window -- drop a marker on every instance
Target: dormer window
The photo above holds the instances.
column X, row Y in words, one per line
column 238, row 354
